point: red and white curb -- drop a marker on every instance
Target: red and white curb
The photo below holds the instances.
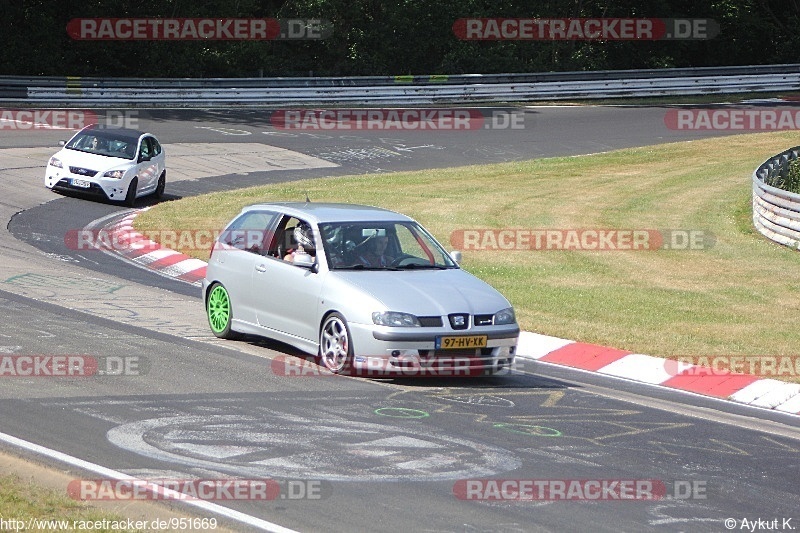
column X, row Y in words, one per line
column 742, row 388
column 144, row 252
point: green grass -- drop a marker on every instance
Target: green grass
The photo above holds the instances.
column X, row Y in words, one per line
column 737, row 298
column 24, row 501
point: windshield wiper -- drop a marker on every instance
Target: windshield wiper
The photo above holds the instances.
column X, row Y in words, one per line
column 365, row 267
column 413, row 266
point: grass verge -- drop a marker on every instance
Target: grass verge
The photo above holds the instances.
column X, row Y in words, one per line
column 737, row 298
column 50, row 509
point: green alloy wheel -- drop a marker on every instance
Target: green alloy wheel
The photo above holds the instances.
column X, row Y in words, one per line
column 219, row 311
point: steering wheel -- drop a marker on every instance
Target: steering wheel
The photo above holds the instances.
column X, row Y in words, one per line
column 406, row 259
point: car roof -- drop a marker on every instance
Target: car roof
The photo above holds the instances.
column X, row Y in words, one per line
column 331, row 212
column 119, row 132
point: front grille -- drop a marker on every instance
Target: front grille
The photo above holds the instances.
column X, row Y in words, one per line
column 430, row 321
column 80, row 171
column 93, row 189
column 459, row 320
column 483, row 320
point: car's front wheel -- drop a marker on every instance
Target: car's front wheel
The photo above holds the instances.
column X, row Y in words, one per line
column 335, row 346
column 130, row 197
column 220, row 311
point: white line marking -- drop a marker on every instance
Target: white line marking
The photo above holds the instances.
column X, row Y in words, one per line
column 113, row 474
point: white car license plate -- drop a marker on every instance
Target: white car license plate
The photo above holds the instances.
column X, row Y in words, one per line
column 80, row 183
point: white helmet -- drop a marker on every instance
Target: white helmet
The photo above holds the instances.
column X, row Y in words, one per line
column 303, row 236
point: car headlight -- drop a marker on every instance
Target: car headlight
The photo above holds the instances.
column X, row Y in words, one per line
column 114, row 174
column 55, row 162
column 506, row 316
column 395, row 319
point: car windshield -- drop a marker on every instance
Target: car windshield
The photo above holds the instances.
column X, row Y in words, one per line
column 382, row 246
column 104, row 142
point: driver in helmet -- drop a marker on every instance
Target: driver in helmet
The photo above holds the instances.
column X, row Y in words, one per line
column 305, row 242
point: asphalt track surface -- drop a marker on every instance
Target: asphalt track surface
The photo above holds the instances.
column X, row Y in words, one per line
column 381, row 455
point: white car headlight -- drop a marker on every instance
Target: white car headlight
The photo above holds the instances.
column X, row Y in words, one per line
column 114, row 174
column 55, row 162
column 395, row 319
column 506, row 316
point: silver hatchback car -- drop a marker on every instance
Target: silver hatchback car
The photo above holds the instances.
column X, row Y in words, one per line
column 367, row 290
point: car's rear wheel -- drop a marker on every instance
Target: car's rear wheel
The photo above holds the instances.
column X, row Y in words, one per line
column 335, row 346
column 220, row 311
column 161, row 185
column 130, row 197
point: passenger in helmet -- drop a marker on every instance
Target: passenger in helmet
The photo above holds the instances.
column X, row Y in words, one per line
column 305, row 242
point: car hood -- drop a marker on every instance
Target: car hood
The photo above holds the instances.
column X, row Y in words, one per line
column 74, row 158
column 426, row 292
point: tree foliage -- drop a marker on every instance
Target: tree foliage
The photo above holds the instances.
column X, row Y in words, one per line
column 370, row 37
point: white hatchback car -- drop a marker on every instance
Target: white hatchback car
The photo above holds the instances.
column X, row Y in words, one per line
column 367, row 290
column 114, row 163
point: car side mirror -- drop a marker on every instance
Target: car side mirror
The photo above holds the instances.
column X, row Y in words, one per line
column 303, row 260
column 62, row 142
column 143, row 158
column 455, row 255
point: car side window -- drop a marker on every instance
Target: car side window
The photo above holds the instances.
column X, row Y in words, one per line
column 251, row 232
column 284, row 243
column 155, row 148
column 144, row 150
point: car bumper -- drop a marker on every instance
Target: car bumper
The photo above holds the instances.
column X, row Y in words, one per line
column 110, row 188
column 393, row 352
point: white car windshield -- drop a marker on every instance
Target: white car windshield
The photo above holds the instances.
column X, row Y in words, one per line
column 382, row 246
column 104, row 142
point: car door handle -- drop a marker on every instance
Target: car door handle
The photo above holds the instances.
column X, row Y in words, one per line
column 261, row 268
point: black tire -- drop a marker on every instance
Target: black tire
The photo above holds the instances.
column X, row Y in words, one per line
column 219, row 312
column 130, row 197
column 162, row 184
column 335, row 344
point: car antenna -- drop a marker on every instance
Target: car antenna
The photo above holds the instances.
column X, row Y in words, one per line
column 307, row 200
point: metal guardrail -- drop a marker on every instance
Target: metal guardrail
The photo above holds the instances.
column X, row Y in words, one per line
column 776, row 212
column 397, row 90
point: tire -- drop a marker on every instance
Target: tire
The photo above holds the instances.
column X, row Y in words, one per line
column 160, row 186
column 130, row 196
column 220, row 312
column 335, row 344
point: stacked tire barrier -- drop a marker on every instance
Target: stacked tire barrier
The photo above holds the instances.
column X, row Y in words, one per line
column 776, row 212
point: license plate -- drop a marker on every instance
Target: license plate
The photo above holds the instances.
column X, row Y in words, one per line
column 461, row 342
column 80, row 183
